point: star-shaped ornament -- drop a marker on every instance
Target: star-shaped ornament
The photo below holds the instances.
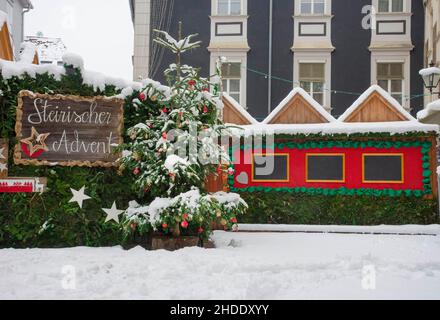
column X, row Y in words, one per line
column 79, row 196
column 2, row 150
column 3, row 167
column 36, row 142
column 113, row 213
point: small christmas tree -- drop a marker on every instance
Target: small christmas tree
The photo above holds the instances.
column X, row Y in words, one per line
column 173, row 151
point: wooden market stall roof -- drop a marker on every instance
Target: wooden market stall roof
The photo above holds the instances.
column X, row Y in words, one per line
column 299, row 108
column 234, row 113
column 6, row 51
column 375, row 105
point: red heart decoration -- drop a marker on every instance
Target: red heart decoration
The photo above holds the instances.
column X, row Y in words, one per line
column 25, row 149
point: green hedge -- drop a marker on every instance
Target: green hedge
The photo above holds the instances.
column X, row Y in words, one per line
column 286, row 208
column 22, row 216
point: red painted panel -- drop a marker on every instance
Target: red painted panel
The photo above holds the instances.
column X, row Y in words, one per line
column 413, row 168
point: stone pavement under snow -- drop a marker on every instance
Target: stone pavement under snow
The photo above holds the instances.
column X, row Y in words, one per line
column 244, row 266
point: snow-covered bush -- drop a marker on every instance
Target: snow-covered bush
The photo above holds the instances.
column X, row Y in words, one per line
column 188, row 213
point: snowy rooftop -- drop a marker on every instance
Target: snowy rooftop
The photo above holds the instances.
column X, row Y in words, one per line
column 337, row 127
column 375, row 88
column 320, row 109
column 240, row 109
column 49, row 49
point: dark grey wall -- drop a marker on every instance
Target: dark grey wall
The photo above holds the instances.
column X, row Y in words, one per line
column 258, row 38
column 351, row 61
column 417, row 55
column 194, row 15
column 282, row 62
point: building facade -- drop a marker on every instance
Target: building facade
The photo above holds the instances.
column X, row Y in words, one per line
column 432, row 39
column 49, row 50
column 333, row 49
column 15, row 11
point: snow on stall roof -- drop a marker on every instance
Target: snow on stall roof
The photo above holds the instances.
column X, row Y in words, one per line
column 367, row 94
column 397, row 127
column 430, row 109
column 49, row 49
column 240, row 108
column 27, row 52
column 320, row 109
column 429, row 71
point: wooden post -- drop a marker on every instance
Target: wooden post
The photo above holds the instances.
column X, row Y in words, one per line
column 4, row 143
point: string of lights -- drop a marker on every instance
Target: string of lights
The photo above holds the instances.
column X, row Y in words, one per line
column 406, row 97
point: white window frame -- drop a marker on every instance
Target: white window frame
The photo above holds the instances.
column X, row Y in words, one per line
column 316, row 57
column 228, row 89
column 390, row 7
column 312, row 91
column 229, row 9
column 312, row 13
column 405, row 59
column 234, row 57
column 389, row 90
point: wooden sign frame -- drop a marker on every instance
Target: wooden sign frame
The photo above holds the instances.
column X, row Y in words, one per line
column 81, row 163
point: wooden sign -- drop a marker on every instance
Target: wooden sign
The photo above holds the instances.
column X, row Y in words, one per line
column 4, row 158
column 23, row 185
column 58, row 130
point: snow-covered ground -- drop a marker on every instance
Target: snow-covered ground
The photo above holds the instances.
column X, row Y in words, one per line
column 244, row 266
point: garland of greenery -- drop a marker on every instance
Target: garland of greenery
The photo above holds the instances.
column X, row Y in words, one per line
column 425, row 148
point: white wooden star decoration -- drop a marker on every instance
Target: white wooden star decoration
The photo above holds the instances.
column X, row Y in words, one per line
column 79, row 196
column 112, row 213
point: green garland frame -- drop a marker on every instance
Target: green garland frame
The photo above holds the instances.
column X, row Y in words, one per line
column 425, row 149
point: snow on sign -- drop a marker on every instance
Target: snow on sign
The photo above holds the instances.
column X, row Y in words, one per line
column 67, row 130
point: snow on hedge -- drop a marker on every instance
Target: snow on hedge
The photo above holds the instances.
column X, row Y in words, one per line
column 97, row 80
column 11, row 69
column 73, row 59
column 28, row 51
column 396, row 127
